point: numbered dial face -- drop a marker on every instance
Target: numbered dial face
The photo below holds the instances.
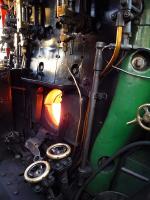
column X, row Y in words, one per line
column 143, row 116
column 58, row 151
column 37, row 171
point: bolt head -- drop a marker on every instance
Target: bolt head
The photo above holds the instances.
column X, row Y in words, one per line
column 139, row 63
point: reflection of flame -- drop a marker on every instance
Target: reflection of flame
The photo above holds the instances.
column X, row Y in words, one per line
column 53, row 107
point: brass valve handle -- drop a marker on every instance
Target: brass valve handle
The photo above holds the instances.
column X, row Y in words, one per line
column 143, row 116
column 58, row 151
column 37, row 171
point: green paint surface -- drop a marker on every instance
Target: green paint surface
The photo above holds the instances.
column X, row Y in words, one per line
column 131, row 92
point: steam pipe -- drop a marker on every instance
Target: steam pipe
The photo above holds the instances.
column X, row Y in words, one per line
column 92, row 102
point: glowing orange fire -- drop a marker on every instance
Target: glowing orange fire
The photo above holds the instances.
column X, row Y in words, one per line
column 53, row 106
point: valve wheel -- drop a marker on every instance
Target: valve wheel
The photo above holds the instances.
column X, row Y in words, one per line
column 144, row 120
column 37, row 171
column 58, row 151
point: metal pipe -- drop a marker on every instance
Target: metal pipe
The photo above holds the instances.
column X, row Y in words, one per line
column 134, row 174
column 116, row 50
column 92, row 102
column 127, row 28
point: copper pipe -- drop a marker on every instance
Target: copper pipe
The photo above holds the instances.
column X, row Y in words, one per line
column 116, row 50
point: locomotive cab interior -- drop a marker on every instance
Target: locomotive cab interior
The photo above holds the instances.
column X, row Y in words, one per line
column 74, row 99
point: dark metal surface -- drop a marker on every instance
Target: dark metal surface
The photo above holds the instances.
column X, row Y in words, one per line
column 110, row 195
column 134, row 170
column 143, row 194
column 5, row 102
column 70, row 117
column 12, row 184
